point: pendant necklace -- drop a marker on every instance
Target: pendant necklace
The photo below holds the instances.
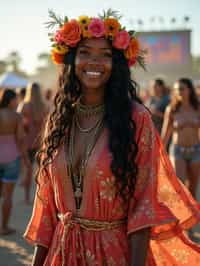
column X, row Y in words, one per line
column 93, row 134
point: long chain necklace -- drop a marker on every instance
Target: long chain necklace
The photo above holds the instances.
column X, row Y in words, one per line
column 77, row 179
column 87, row 130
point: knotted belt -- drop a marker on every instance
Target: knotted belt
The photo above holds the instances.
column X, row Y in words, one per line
column 69, row 221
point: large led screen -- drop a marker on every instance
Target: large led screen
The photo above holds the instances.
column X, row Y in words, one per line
column 166, row 48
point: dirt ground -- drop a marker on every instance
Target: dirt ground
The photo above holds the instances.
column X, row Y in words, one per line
column 14, row 251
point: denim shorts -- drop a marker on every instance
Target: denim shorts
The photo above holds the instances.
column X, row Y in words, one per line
column 190, row 154
column 9, row 172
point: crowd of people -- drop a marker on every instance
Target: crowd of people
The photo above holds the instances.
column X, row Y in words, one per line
column 176, row 115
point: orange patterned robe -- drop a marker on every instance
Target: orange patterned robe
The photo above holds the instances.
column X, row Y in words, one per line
column 98, row 235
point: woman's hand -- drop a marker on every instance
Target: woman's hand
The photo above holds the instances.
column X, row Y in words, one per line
column 139, row 246
column 39, row 256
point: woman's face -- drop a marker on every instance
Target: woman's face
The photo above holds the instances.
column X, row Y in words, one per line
column 182, row 90
column 157, row 89
column 93, row 63
column 13, row 103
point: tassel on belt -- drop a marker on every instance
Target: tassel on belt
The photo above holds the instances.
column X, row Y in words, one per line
column 69, row 221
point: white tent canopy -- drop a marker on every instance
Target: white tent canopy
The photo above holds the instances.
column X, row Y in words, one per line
column 12, row 81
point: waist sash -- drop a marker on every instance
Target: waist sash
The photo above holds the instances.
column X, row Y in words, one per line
column 69, row 221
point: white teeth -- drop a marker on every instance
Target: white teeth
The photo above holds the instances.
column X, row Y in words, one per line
column 92, row 73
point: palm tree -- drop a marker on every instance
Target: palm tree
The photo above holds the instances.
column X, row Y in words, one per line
column 196, row 63
column 3, row 66
column 13, row 61
column 45, row 59
column 186, row 21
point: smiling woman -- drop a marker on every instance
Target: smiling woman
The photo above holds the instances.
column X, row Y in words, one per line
column 93, row 65
column 107, row 194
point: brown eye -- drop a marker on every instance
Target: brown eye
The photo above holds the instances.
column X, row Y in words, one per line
column 83, row 52
column 108, row 54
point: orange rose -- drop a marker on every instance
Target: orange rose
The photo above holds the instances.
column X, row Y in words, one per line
column 133, row 49
column 71, row 33
column 57, row 58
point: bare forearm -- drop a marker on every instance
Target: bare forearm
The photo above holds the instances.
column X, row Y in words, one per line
column 166, row 135
column 139, row 247
column 24, row 153
column 39, row 256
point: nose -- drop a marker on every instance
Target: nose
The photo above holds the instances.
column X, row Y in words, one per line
column 95, row 59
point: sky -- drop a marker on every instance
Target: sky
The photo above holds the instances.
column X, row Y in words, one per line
column 22, row 22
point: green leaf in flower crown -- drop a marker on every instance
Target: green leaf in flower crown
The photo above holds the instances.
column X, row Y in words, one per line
column 132, row 33
column 110, row 13
column 141, row 61
column 66, row 19
column 55, row 20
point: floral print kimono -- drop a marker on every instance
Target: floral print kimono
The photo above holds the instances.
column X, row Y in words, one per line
column 98, row 234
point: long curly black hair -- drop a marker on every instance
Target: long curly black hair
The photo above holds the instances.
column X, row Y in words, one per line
column 120, row 94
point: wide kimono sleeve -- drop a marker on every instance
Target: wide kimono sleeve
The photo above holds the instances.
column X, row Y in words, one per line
column 160, row 201
column 44, row 219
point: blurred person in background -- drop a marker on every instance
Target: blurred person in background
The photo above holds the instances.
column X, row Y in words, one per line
column 158, row 102
column 11, row 149
column 182, row 122
column 33, row 111
column 49, row 99
column 144, row 95
column 21, row 94
column 198, row 92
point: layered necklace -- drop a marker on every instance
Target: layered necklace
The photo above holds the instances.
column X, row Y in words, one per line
column 92, row 134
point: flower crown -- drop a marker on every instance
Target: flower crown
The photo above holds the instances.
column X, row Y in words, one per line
column 70, row 32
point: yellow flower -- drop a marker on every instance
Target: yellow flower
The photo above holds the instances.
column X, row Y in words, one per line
column 84, row 21
column 60, row 49
column 57, row 58
column 85, row 32
column 112, row 27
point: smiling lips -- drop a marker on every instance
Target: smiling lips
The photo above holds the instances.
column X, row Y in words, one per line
column 93, row 73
